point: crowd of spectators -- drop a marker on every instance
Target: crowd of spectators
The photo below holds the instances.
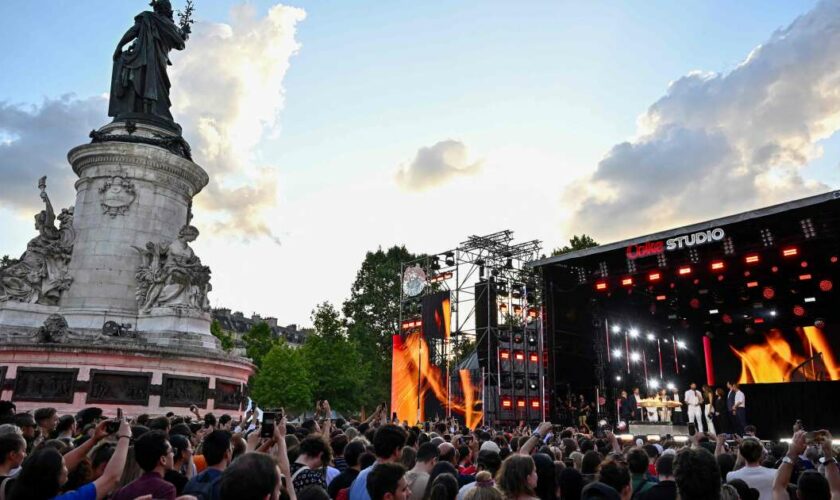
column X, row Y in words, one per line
column 86, row 456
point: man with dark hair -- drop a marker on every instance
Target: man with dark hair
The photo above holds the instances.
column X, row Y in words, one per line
column 352, row 453
column 309, row 468
column 154, row 455
column 418, row 477
column 217, row 451
column 160, row 424
column 253, row 476
column 99, row 458
column 697, row 475
column 47, row 419
column 666, row 489
column 387, row 445
column 753, row 473
column 387, row 482
column 66, row 429
column 637, row 462
column 12, row 453
column 614, row 475
column 338, row 443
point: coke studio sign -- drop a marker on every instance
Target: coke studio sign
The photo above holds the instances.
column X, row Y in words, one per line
column 650, row 248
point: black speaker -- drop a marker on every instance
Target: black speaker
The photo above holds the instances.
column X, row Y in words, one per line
column 486, row 321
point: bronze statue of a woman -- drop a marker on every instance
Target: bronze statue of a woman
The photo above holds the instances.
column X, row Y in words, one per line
column 139, row 84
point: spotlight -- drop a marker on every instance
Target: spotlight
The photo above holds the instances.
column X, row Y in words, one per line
column 810, row 299
column 627, row 281
column 798, row 310
column 450, row 258
column 617, row 353
column 616, row 329
column 654, row 384
column 713, row 311
column 752, row 259
column 773, row 313
column 651, row 336
column 790, row 252
column 768, row 292
column 655, row 276
column 684, row 271
column 635, row 357
column 618, row 378
column 671, row 386
column 634, row 333
column 681, row 344
column 717, row 265
column 826, row 285
column 601, row 286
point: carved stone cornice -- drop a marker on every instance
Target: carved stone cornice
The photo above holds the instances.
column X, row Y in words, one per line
column 144, row 156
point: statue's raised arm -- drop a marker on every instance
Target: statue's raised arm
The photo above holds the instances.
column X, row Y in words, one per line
column 140, row 84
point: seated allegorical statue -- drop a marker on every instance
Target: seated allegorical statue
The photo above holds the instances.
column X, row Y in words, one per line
column 172, row 275
column 41, row 275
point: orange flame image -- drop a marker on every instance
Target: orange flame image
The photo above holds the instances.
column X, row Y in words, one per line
column 775, row 360
column 413, row 377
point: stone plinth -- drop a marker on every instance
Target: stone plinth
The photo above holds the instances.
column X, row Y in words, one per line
column 24, row 314
column 128, row 194
column 143, row 378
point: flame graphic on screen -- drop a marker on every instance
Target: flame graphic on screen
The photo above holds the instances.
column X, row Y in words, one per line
column 775, row 360
column 411, row 370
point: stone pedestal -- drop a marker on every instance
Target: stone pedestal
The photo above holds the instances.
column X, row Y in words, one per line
column 128, row 194
column 23, row 314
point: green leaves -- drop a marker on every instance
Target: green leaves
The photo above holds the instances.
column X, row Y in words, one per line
column 258, row 342
column 225, row 339
column 576, row 243
column 283, row 380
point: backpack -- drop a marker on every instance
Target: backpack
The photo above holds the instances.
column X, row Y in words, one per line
column 203, row 486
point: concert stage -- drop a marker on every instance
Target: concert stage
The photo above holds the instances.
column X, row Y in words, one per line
column 748, row 298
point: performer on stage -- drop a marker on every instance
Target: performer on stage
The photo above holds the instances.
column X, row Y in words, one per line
column 626, row 408
column 664, row 412
column 677, row 417
column 652, row 412
column 634, row 401
column 694, row 400
column 719, row 412
column 739, row 410
column 708, row 399
column 730, row 408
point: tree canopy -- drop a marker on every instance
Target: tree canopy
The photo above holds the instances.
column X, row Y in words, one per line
column 283, row 380
column 576, row 243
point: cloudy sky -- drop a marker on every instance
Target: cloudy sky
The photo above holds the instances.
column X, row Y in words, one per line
column 331, row 128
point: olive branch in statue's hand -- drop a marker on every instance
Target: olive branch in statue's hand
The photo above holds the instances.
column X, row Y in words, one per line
column 185, row 17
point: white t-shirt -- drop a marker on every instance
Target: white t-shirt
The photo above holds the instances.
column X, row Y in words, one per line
column 740, row 400
column 692, row 398
column 760, row 478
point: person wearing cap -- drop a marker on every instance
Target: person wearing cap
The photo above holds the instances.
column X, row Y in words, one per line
column 488, row 460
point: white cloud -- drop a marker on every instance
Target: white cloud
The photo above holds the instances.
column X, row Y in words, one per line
column 433, row 166
column 718, row 143
column 227, row 95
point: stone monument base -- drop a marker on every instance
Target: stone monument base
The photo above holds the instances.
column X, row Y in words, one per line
column 139, row 378
column 23, row 314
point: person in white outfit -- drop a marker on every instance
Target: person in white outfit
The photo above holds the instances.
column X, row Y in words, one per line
column 694, row 399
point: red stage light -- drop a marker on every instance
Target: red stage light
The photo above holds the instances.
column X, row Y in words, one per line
column 627, row 281
column 726, row 319
column 684, row 271
column 720, row 277
column 752, row 284
column 661, row 297
column 826, row 285
column 752, row 259
column 694, row 303
column 718, row 265
column 535, row 403
column 746, row 274
column 519, row 356
column 601, row 286
column 506, row 403
column 803, row 277
column 798, row 311
column 790, row 252
column 520, row 403
column 534, row 357
column 504, row 354
column 775, row 269
column 833, row 259
column 804, row 263
column 654, row 277
column 768, row 292
column 759, row 321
